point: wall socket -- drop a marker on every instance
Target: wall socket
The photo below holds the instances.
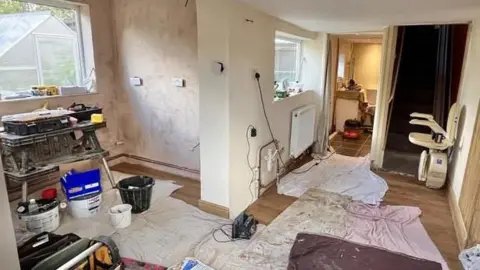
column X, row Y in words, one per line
column 136, row 81
column 178, row 82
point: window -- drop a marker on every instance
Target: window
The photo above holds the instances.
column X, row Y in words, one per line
column 341, row 66
column 288, row 55
column 41, row 45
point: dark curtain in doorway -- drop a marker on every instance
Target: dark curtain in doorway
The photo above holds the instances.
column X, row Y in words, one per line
column 443, row 78
column 452, row 41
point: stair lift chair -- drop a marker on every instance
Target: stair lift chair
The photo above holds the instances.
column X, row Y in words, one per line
column 434, row 162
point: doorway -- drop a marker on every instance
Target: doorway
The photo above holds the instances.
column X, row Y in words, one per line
column 357, row 64
column 426, row 79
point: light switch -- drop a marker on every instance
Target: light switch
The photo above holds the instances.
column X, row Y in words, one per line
column 136, row 81
column 178, row 82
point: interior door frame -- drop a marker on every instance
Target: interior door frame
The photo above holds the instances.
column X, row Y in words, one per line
column 389, row 45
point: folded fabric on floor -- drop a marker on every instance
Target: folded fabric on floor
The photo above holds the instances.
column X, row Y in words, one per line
column 396, row 228
column 321, row 213
column 130, row 264
column 322, row 252
column 349, row 176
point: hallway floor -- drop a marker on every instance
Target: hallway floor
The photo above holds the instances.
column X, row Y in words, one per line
column 401, row 162
column 352, row 147
column 436, row 216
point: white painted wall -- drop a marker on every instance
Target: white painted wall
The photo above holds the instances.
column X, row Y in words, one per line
column 249, row 48
column 313, row 67
column 214, row 123
column 468, row 100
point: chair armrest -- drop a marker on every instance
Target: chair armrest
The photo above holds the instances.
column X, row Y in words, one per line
column 431, row 124
column 422, row 115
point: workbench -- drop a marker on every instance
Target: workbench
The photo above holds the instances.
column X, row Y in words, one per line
column 25, row 157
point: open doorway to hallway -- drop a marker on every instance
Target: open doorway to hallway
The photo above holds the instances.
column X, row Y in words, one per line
column 356, row 63
column 426, row 79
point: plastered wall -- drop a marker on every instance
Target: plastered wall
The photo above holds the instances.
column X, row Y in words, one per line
column 367, row 64
column 157, row 41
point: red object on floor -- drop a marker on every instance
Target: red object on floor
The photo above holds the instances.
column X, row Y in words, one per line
column 49, row 194
column 352, row 133
column 131, row 264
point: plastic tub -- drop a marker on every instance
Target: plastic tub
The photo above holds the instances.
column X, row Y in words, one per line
column 137, row 191
column 120, row 216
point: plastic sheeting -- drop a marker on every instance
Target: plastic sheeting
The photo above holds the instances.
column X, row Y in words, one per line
column 349, row 176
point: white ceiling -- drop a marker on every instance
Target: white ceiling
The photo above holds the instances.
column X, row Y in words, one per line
column 338, row 16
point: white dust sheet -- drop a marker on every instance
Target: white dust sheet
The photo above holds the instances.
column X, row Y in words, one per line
column 164, row 235
column 345, row 175
column 324, row 213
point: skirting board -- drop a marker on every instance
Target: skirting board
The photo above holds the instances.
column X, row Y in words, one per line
column 214, row 209
column 458, row 223
column 154, row 164
column 114, row 160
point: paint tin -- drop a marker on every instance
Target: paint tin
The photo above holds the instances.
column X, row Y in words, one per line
column 46, row 221
column 86, row 206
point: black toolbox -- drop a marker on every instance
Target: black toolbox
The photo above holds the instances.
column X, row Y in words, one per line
column 37, row 126
column 82, row 112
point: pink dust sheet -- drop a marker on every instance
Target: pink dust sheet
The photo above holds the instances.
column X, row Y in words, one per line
column 396, row 228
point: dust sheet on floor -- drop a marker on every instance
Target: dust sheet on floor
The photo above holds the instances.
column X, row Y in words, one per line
column 172, row 230
column 163, row 235
column 336, row 173
column 393, row 228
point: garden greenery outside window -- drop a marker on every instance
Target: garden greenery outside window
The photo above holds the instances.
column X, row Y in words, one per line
column 288, row 58
column 41, row 49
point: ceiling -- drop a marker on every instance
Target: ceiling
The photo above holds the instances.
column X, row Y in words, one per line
column 339, row 16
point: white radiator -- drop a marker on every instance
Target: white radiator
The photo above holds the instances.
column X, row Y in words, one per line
column 303, row 130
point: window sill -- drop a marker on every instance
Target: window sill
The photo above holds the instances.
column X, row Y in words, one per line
column 45, row 98
column 290, row 97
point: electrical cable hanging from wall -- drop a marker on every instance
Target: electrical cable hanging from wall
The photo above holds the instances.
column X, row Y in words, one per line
column 275, row 142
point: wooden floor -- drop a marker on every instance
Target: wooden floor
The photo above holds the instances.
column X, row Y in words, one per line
column 436, row 216
column 189, row 193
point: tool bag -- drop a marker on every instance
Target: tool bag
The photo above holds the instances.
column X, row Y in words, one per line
column 42, row 246
column 105, row 257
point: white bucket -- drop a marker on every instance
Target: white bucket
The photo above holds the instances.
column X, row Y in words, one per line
column 85, row 208
column 120, row 216
column 43, row 222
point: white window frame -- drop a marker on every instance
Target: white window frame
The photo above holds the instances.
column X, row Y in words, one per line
column 299, row 54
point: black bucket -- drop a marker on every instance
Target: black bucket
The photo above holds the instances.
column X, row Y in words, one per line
column 137, row 191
